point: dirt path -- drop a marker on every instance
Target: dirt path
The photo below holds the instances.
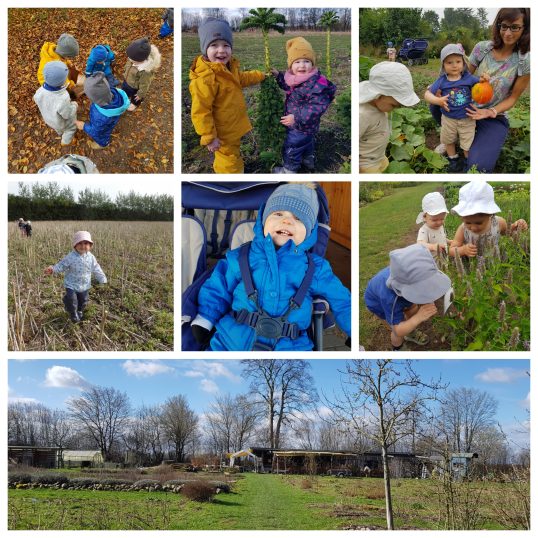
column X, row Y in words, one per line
column 143, row 140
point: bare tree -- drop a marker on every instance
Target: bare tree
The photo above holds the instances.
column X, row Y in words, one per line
column 465, row 413
column 180, row 424
column 283, row 388
column 377, row 400
column 103, row 412
column 144, row 436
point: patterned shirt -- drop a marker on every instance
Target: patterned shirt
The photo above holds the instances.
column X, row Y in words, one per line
column 503, row 73
column 78, row 269
column 459, row 94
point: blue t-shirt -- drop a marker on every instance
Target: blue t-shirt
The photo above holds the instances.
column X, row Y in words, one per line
column 383, row 301
column 459, row 92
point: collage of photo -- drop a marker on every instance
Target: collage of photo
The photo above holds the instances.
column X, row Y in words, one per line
column 372, row 332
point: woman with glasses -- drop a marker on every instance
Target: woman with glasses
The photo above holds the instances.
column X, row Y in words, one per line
column 506, row 59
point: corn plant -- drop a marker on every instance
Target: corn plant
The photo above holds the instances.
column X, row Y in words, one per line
column 328, row 20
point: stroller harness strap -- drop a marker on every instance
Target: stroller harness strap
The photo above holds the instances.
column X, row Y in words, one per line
column 263, row 324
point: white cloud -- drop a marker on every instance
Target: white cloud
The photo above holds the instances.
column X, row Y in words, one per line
column 209, row 386
column 64, row 377
column 212, row 370
column 145, row 368
column 500, row 375
column 21, row 399
column 526, row 403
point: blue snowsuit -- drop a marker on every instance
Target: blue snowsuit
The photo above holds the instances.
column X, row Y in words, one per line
column 100, row 59
column 307, row 102
column 277, row 275
column 104, row 119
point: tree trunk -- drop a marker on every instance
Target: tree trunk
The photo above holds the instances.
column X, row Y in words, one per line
column 386, row 480
column 266, row 49
column 329, row 52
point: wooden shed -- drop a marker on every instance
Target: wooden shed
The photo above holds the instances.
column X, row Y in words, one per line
column 34, row 456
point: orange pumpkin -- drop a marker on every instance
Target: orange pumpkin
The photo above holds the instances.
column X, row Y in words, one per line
column 482, row 92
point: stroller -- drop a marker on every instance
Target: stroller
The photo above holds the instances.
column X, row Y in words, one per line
column 218, row 216
column 413, row 51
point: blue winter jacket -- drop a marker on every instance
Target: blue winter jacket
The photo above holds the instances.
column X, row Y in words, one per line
column 103, row 119
column 277, row 275
column 93, row 65
column 307, row 101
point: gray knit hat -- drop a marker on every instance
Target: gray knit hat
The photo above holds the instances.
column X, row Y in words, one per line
column 139, row 50
column 212, row 29
column 414, row 275
column 67, row 46
column 296, row 198
column 55, row 73
column 97, row 89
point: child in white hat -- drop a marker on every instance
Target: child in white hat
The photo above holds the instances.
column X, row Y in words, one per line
column 477, row 210
column 403, row 294
column 390, row 86
column 432, row 217
column 78, row 267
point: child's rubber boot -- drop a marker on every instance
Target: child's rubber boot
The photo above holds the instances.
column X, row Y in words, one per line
column 282, row 170
column 80, row 315
column 94, row 145
column 74, row 317
column 418, row 337
column 454, row 165
column 309, row 164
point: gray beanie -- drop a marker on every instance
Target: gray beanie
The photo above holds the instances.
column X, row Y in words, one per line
column 55, row 73
column 67, row 46
column 296, row 198
column 212, row 29
column 97, row 89
column 139, row 50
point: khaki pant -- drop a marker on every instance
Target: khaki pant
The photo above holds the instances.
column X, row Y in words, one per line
column 380, row 168
column 228, row 159
column 453, row 130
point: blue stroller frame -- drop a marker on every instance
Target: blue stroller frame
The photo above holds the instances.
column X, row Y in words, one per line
column 413, row 51
column 227, row 197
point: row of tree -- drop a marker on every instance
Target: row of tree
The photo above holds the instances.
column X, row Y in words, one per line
column 298, row 19
column 51, row 201
column 458, row 25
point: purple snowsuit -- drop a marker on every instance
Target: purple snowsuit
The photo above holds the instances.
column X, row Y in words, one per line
column 307, row 102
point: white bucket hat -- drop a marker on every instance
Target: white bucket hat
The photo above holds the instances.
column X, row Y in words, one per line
column 476, row 197
column 433, row 204
column 392, row 79
column 414, row 275
column 82, row 236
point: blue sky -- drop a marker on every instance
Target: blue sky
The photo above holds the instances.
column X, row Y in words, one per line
column 53, row 382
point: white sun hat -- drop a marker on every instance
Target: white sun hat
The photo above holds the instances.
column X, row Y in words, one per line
column 392, row 79
column 433, row 204
column 476, row 197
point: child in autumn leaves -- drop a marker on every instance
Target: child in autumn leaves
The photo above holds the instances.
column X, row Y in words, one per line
column 308, row 95
column 219, row 111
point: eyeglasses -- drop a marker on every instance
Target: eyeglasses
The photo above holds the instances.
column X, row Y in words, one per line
column 512, row 27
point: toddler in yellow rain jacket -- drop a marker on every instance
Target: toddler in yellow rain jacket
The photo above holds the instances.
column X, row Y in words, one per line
column 219, row 111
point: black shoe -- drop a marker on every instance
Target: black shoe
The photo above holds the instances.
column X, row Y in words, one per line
column 309, row 164
column 74, row 318
column 80, row 315
column 454, row 165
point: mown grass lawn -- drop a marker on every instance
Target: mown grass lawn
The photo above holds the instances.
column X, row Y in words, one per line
column 333, row 145
column 258, row 502
column 384, row 225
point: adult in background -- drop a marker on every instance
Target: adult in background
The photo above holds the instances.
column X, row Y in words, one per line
column 506, row 59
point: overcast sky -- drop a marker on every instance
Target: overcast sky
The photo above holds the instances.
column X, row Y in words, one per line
column 110, row 186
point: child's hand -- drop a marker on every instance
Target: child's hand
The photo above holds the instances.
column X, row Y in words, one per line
column 214, row 145
column 426, row 311
column 274, row 72
column 468, row 250
column 49, row 270
column 80, row 125
column 520, row 224
column 484, row 77
column 288, row 121
column 443, row 102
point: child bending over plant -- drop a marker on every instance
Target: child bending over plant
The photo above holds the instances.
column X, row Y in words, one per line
column 403, row 294
column 477, row 210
